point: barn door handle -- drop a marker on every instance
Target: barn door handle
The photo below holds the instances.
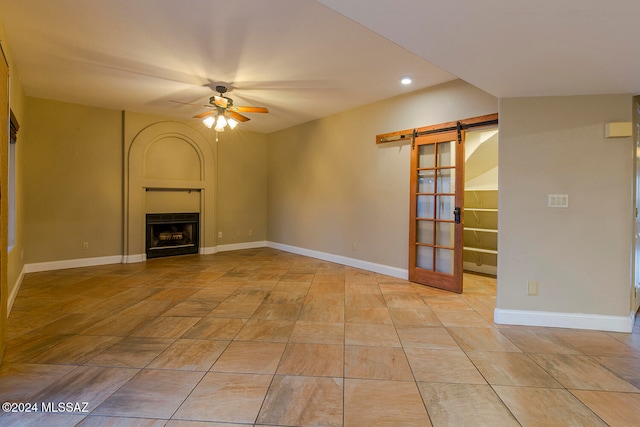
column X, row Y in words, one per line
column 456, row 215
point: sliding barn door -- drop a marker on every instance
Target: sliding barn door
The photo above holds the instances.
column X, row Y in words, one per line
column 437, row 184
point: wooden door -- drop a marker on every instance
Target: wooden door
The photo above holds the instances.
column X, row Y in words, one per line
column 436, row 226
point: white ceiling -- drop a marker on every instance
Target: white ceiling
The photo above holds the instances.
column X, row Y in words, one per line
column 305, row 59
column 516, row 47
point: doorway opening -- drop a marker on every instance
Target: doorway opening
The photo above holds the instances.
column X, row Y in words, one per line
column 481, row 201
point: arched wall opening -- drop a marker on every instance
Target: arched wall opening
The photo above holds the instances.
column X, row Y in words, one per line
column 169, row 168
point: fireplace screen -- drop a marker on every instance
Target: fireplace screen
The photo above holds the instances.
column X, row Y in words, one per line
column 172, row 234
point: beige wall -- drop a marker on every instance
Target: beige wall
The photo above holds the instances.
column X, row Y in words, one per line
column 72, row 181
column 332, row 189
column 242, row 187
column 579, row 255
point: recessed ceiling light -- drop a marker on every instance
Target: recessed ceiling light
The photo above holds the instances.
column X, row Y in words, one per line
column 405, row 80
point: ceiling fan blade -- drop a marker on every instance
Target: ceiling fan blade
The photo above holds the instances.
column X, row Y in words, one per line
column 250, row 109
column 205, row 114
column 220, row 101
column 237, row 116
column 188, row 103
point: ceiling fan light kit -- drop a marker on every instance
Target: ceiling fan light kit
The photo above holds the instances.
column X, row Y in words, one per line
column 223, row 114
column 209, row 121
column 220, row 123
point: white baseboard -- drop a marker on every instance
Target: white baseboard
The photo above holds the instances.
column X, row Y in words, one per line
column 240, row 246
column 564, row 320
column 117, row 259
column 72, row 263
column 14, row 291
column 130, row 259
column 338, row 259
column 210, row 250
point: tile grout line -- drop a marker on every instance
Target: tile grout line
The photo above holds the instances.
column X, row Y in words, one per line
column 415, row 380
column 264, row 400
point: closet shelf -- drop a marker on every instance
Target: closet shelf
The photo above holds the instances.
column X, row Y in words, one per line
column 482, row 230
column 481, row 210
column 484, row 251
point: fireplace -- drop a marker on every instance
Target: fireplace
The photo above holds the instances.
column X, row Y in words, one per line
column 172, row 234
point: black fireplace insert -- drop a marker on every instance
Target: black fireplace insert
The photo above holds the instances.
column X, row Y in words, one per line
column 172, row 234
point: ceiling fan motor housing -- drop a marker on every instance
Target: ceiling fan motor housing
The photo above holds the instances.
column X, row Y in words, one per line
column 212, row 100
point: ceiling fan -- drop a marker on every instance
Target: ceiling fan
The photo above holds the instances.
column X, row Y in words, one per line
column 224, row 112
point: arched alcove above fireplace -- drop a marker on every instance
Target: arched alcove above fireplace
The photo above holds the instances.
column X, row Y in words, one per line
column 170, row 170
column 172, row 157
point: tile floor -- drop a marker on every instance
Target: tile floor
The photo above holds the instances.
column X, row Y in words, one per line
column 263, row 337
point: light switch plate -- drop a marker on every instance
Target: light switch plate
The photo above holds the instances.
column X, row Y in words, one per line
column 558, row 200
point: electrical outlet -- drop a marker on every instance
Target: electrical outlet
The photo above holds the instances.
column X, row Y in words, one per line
column 85, row 245
column 532, row 288
column 250, row 232
column 219, row 234
column 354, row 246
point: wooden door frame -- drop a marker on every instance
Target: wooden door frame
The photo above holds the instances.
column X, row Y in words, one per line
column 4, row 174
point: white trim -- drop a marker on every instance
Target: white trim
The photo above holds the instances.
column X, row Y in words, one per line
column 126, row 259
column 72, row 263
column 240, row 246
column 208, row 250
column 14, row 292
column 130, row 259
column 338, row 259
column 597, row 322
